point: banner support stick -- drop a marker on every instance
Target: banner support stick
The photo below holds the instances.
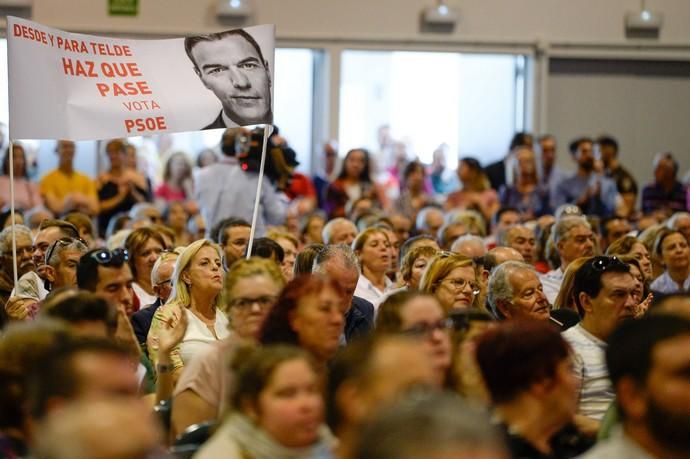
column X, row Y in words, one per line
column 255, row 215
column 14, row 233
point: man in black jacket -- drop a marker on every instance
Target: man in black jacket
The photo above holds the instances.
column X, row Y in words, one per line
column 340, row 263
column 498, row 172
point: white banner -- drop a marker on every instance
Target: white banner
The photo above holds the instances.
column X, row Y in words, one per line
column 73, row 86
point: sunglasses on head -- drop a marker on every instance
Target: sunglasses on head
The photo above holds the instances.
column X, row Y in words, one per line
column 602, row 264
column 105, row 257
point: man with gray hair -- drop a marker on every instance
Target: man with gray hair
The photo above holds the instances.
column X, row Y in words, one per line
column 572, row 238
column 515, row 292
column 161, row 280
column 520, row 238
column 339, row 231
column 680, row 221
column 469, row 245
column 25, row 263
column 430, row 426
column 62, row 259
column 340, row 263
column 429, row 220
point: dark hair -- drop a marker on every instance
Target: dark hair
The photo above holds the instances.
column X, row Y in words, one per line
column 472, row 163
column 365, row 176
column 502, row 210
column 631, row 345
column 79, row 306
column 191, row 42
column 516, row 354
column 6, row 160
column 254, row 367
column 521, row 139
column 4, row 216
column 276, row 328
column 604, row 222
column 116, row 223
column 608, row 141
column 267, row 248
column 79, row 219
column 388, row 315
column 55, row 375
column 218, row 232
column 575, row 144
column 87, row 270
column 304, row 262
column 411, row 167
column 588, row 277
column 11, row 400
column 66, row 228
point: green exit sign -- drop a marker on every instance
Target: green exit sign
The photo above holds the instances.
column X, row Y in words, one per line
column 123, row 7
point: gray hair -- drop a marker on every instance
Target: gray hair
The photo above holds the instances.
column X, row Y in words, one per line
column 138, row 210
column 340, row 253
column 671, row 222
column 327, row 231
column 421, row 426
column 420, row 223
column 563, row 226
column 73, row 245
column 503, row 236
column 165, row 257
column 500, row 288
column 466, row 238
column 6, row 237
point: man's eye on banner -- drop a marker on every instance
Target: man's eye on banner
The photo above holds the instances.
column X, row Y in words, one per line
column 232, row 66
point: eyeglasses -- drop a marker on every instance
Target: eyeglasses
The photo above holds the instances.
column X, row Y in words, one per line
column 601, row 264
column 105, row 257
column 425, row 329
column 245, row 303
column 460, row 284
column 62, row 242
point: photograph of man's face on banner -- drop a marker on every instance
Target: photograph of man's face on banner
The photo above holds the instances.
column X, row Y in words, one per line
column 231, row 64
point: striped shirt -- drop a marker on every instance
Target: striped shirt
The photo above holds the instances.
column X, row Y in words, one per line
column 596, row 392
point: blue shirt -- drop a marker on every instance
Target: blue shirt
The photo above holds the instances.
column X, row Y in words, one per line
column 664, row 284
column 569, row 190
column 224, row 190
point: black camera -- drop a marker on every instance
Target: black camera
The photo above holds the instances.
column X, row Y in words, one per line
column 280, row 158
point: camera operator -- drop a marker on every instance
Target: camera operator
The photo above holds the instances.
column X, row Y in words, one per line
column 227, row 188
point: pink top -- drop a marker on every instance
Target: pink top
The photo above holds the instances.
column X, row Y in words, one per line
column 26, row 194
column 167, row 193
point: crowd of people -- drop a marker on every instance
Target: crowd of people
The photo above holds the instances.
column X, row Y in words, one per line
column 397, row 311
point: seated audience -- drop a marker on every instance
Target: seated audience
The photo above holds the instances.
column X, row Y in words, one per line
column 672, row 249
column 277, row 409
column 304, row 261
column 413, row 265
column 630, row 245
column 527, row 368
column 372, row 248
column 251, row 288
column 429, row 220
column 665, row 195
column 522, row 239
column 339, row 231
column 310, row 314
column 604, row 296
column 232, row 234
column 420, row 316
column 647, row 361
column 197, row 282
column 144, row 245
column 452, row 279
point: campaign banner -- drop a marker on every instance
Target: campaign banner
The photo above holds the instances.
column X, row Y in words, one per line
column 74, row 86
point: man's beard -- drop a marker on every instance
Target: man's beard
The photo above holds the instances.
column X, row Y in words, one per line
column 587, row 165
column 670, row 428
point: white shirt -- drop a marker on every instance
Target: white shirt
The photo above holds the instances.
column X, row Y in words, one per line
column 552, row 282
column 145, row 300
column 365, row 289
column 198, row 337
column 589, row 355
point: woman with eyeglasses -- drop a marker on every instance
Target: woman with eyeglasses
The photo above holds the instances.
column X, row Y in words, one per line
column 310, row 313
column 197, row 283
column 672, row 249
column 277, row 409
column 251, row 288
column 452, row 279
column 419, row 315
column 144, row 245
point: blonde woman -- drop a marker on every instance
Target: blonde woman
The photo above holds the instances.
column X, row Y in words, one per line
column 453, row 280
column 197, row 283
